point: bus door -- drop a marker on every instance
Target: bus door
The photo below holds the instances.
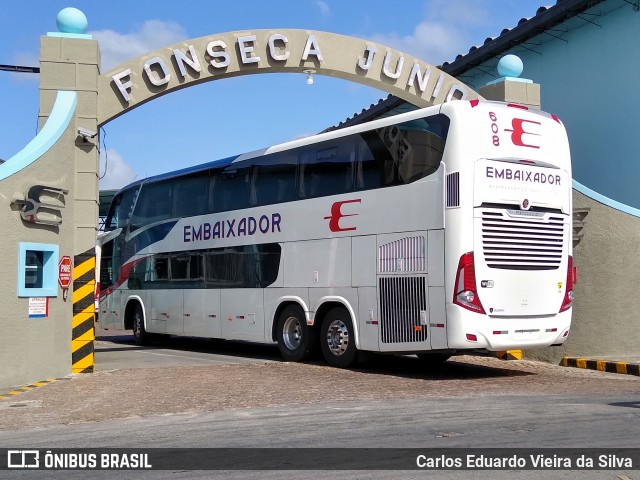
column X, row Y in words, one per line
column 104, row 257
column 165, row 313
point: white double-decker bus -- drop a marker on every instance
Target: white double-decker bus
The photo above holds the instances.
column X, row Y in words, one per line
column 438, row 231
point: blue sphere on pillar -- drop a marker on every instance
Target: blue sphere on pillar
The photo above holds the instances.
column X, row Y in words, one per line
column 510, row 66
column 72, row 20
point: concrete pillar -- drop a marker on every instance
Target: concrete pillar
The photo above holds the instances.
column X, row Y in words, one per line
column 511, row 88
column 73, row 64
column 70, row 60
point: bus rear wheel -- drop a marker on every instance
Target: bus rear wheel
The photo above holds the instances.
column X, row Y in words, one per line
column 337, row 339
column 296, row 339
column 140, row 335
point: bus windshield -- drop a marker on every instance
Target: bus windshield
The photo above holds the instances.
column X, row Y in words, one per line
column 120, row 210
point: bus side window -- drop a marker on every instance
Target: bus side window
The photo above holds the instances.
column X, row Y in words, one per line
column 377, row 157
column 274, row 183
column 422, row 156
column 406, row 152
column 138, row 273
column 161, row 268
column 231, row 190
column 327, row 169
column 191, row 195
column 186, row 268
column 106, row 265
column 179, row 267
column 225, row 268
column 368, row 169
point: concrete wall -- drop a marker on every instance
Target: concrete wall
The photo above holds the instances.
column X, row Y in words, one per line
column 606, row 318
column 33, row 349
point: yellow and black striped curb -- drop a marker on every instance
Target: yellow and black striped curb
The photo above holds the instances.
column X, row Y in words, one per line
column 26, row 388
column 509, row 355
column 602, row 365
column 83, row 323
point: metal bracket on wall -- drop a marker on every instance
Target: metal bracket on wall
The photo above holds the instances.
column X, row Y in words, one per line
column 47, row 211
column 635, row 4
column 579, row 219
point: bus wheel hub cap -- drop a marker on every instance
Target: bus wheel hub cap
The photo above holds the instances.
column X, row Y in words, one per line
column 338, row 337
column 292, row 333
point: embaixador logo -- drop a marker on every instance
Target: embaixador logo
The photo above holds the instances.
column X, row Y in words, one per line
column 337, row 214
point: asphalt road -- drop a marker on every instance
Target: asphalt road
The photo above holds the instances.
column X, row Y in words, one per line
column 495, row 421
column 253, row 400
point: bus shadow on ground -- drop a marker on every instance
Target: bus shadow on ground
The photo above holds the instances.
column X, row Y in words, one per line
column 409, row 366
column 200, row 345
column 406, row 366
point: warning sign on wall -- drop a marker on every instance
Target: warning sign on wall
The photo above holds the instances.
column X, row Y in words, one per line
column 38, row 307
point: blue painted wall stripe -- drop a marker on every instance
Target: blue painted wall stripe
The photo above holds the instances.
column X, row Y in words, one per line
column 61, row 115
column 605, row 200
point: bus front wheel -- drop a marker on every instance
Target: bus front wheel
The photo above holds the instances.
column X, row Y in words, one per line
column 140, row 335
column 337, row 339
column 296, row 339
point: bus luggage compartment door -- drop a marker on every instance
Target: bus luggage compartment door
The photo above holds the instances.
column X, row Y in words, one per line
column 404, row 313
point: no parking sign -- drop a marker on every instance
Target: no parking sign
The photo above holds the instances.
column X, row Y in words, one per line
column 64, row 272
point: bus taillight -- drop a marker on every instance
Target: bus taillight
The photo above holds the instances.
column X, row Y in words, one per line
column 568, row 295
column 465, row 293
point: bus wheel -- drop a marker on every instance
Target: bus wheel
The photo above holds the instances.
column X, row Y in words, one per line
column 296, row 340
column 337, row 339
column 140, row 335
column 433, row 358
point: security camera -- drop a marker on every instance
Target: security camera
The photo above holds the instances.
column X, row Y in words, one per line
column 86, row 133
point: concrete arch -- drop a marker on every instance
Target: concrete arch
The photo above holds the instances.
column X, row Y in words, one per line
column 232, row 54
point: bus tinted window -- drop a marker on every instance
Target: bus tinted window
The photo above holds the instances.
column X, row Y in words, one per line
column 120, row 209
column 275, row 183
column 154, row 204
column 327, row 168
column 248, row 266
column 388, row 156
column 106, row 265
column 191, row 195
column 231, row 189
column 402, row 153
column 187, row 266
column 160, row 268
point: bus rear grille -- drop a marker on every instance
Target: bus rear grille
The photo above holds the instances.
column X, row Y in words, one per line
column 522, row 243
column 403, row 300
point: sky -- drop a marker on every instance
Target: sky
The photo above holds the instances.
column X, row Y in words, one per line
column 231, row 116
